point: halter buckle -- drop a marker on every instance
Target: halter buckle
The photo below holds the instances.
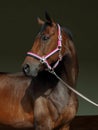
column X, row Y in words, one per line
column 60, row 38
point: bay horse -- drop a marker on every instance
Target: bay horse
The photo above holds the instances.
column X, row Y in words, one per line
column 54, row 105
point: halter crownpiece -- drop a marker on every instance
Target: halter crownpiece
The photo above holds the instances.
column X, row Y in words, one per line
column 43, row 59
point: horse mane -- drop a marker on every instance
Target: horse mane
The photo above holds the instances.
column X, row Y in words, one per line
column 69, row 33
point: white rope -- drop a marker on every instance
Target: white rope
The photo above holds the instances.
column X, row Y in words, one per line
column 75, row 91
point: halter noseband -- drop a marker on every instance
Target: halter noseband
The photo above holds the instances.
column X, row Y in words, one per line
column 43, row 59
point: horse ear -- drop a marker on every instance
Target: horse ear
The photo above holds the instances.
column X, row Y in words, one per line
column 48, row 18
column 41, row 22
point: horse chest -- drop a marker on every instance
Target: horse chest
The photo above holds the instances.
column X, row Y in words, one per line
column 59, row 97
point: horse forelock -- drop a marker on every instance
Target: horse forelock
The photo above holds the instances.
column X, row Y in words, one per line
column 45, row 25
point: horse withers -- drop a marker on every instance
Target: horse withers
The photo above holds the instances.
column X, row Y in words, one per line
column 53, row 50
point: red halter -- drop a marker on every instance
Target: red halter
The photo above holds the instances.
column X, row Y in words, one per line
column 43, row 59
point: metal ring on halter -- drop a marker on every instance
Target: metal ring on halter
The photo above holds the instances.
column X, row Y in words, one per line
column 60, row 56
column 59, row 48
column 43, row 60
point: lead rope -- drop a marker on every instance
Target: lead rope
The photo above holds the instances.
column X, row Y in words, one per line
column 75, row 91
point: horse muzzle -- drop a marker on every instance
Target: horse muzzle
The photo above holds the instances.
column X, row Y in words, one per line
column 31, row 69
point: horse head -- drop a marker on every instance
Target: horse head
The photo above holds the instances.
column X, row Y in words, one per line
column 48, row 48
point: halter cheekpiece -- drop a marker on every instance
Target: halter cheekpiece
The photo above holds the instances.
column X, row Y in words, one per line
column 43, row 59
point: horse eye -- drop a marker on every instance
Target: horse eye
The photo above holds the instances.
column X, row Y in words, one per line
column 44, row 37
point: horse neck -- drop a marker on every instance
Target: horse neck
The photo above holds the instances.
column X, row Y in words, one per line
column 69, row 65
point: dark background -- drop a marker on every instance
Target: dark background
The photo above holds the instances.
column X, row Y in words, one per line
column 18, row 28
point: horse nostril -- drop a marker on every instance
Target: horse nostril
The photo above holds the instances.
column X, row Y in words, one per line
column 26, row 68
